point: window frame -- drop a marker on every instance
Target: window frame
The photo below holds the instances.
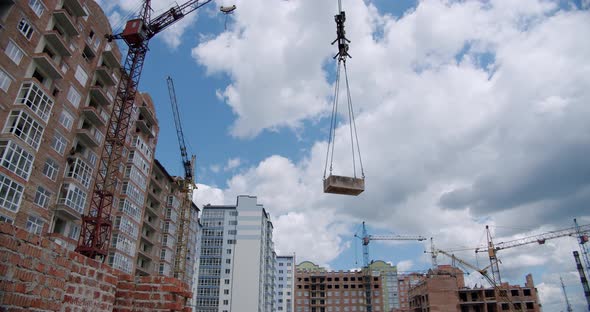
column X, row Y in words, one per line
column 51, row 168
column 13, row 195
column 42, row 197
column 37, row 6
column 16, row 158
column 5, row 80
column 34, row 224
column 25, row 28
column 15, row 54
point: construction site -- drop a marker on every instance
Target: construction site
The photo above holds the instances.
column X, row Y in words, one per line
column 92, row 220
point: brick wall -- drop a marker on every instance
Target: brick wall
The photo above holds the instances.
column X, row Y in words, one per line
column 36, row 274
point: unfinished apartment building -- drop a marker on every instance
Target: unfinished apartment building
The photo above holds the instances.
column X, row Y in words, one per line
column 159, row 233
column 319, row 290
column 444, row 290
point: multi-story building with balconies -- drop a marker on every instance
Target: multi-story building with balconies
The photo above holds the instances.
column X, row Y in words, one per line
column 58, row 78
column 57, row 85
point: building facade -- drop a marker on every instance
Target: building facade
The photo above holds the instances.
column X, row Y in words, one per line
column 405, row 283
column 319, row 290
column 285, row 283
column 58, row 82
column 444, row 289
column 389, row 283
column 237, row 259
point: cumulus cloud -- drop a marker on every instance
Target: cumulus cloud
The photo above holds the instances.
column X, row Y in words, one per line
column 468, row 113
column 405, row 265
column 232, row 163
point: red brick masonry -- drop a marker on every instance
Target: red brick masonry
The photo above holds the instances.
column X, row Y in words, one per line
column 37, row 274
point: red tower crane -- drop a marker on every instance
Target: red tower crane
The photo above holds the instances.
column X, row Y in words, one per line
column 97, row 224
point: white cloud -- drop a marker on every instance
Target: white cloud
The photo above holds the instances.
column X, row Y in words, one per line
column 205, row 194
column 405, row 265
column 232, row 164
column 468, row 112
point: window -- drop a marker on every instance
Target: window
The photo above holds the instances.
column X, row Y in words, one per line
column 74, row 231
column 16, row 159
column 35, row 98
column 74, row 96
column 233, row 222
column 25, row 28
column 225, row 302
column 227, row 271
column 5, row 80
column 11, row 193
column 59, row 143
column 228, row 261
column 6, row 219
column 42, row 197
column 226, row 291
column 73, row 197
column 92, row 158
column 37, row 6
column 51, row 168
column 14, row 52
column 81, row 76
column 34, row 225
column 80, row 171
column 66, row 119
column 25, row 127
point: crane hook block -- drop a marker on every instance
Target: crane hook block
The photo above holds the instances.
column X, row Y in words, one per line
column 227, row 9
column 344, row 185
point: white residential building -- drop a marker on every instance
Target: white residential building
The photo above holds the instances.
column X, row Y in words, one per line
column 237, row 259
column 284, row 283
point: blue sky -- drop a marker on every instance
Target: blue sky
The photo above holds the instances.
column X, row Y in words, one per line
column 468, row 112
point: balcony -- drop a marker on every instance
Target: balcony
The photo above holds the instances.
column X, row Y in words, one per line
column 63, row 19
column 145, row 128
column 147, row 114
column 55, row 39
column 74, row 7
column 99, row 95
column 90, row 136
column 66, row 212
column 110, row 58
column 47, row 65
column 105, row 75
column 95, row 115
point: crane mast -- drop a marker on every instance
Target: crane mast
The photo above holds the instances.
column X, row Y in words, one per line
column 567, row 300
column 187, row 185
column 97, row 224
column 366, row 238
